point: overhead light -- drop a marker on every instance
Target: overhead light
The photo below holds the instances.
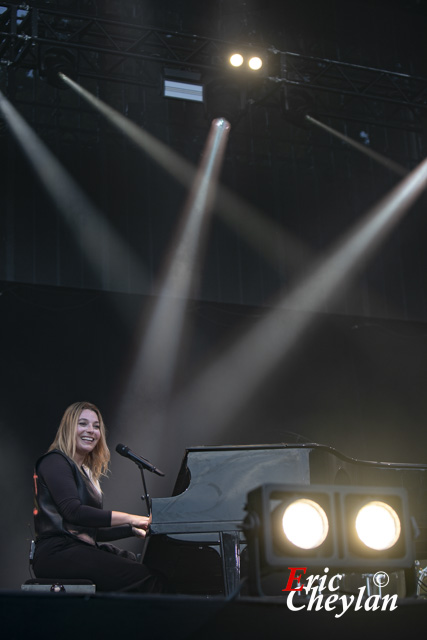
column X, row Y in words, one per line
column 245, row 61
column 236, row 60
column 183, row 90
column 56, row 60
column 183, row 85
column 255, row 63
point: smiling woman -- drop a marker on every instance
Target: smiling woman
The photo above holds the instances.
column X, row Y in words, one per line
column 69, row 519
column 88, row 434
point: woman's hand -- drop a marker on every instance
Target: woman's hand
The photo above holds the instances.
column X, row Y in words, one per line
column 138, row 522
column 140, row 526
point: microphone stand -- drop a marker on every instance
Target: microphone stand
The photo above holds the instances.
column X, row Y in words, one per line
column 141, row 463
column 145, row 497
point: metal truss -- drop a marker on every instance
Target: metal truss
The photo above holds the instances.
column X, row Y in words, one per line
column 366, row 83
column 354, row 83
column 103, row 48
column 135, row 54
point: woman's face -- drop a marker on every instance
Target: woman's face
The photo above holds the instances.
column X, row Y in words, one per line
column 88, row 434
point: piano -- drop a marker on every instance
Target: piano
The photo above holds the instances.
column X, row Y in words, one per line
column 196, row 535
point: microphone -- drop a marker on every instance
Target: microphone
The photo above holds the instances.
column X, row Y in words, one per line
column 127, row 453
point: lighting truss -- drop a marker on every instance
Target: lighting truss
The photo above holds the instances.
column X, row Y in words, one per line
column 132, row 53
column 105, row 49
column 354, row 81
column 339, row 87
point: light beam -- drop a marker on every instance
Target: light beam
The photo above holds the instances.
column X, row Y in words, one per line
column 147, row 394
column 90, row 228
column 377, row 157
column 224, row 388
column 278, row 247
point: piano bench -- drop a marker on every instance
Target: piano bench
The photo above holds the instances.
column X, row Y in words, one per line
column 59, row 585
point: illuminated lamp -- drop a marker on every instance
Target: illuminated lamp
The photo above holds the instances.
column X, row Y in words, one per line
column 361, row 529
column 224, row 98
column 246, row 62
column 296, row 104
column 236, row 60
column 255, row 63
column 378, row 525
column 305, row 523
column 182, row 85
column 56, row 60
column 376, row 528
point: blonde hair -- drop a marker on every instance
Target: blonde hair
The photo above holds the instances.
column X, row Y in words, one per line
column 65, row 440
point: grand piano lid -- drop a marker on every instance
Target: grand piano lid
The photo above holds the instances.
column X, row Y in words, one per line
column 214, row 481
column 307, row 445
column 214, row 452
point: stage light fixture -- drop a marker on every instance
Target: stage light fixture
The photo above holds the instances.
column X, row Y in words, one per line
column 56, row 60
column 183, row 85
column 246, row 61
column 305, row 523
column 255, row 63
column 378, row 525
column 236, row 60
column 183, row 90
column 362, row 529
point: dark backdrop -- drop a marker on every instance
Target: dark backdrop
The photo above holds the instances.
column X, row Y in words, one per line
column 306, row 182
column 358, row 380
column 354, row 384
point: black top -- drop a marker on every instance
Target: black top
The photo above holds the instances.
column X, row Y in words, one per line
column 57, row 472
column 67, row 502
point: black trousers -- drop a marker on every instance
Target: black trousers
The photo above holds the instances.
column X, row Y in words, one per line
column 110, row 568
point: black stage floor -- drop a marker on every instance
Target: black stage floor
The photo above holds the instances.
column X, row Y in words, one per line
column 66, row 616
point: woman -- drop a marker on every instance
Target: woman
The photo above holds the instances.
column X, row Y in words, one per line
column 68, row 515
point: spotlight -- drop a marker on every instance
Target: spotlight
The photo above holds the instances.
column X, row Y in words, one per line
column 236, row 60
column 56, row 60
column 375, row 526
column 305, row 524
column 255, row 63
column 246, row 61
column 183, row 90
column 378, row 525
column 296, row 103
column 224, row 98
column 181, row 84
column 346, row 528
